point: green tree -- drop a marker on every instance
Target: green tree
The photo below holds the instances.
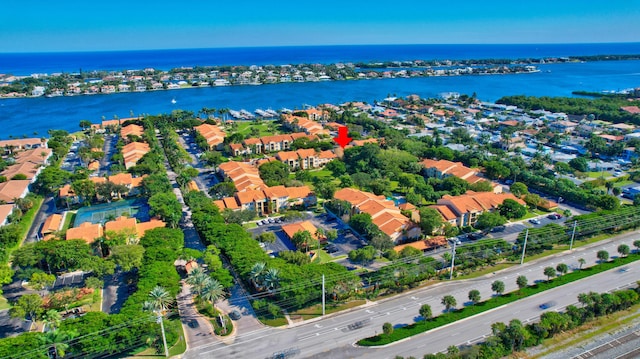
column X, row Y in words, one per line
column 608, row 202
column 160, row 300
column 425, row 312
column 512, row 209
column 41, row 280
column 212, row 291
column 549, row 272
column 93, row 282
column 274, row 173
column 29, row 306
column 522, row 281
column 474, row 296
column 387, row 328
column 498, row 287
column 481, row 186
column 166, row 206
column 489, row 220
column 223, row 189
column 624, row 250
column 519, row 189
column 562, row 268
column 365, row 254
column 85, row 189
column 304, row 240
column 53, row 318
column 267, row 237
column 59, row 340
column 430, row 220
column 580, row 164
column 337, row 168
column 449, row 302
column 84, row 124
column 582, row 262
column 496, row 170
column 127, row 256
column 602, row 256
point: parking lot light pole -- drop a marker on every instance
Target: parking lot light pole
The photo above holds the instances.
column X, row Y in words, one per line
column 524, row 247
column 323, row 295
column 573, row 234
column 453, row 260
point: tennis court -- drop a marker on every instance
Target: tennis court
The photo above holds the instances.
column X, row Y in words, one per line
column 102, row 213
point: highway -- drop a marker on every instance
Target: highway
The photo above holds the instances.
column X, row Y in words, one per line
column 331, row 336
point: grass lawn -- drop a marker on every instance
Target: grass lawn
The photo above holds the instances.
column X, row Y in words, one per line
column 27, row 218
column 487, row 270
column 249, row 225
column 587, row 331
column 598, row 174
column 275, row 322
column 4, row 304
column 527, row 216
column 316, row 310
column 323, row 257
column 623, row 183
column 495, row 302
column 179, row 347
column 68, row 219
column 244, row 127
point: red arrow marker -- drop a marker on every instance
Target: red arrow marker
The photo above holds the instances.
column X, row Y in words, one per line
column 343, row 138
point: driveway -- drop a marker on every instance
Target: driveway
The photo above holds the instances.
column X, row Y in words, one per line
column 198, row 330
column 48, row 208
column 115, row 293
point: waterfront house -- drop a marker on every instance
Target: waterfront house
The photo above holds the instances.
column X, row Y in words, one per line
column 5, row 211
column 13, row 189
column 212, row 134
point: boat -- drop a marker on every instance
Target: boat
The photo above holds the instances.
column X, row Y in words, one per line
column 235, row 114
column 272, row 113
column 173, row 101
column 246, row 114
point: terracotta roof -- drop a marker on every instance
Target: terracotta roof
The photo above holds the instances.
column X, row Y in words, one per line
column 66, row 191
column 276, row 191
column 52, row 224
column 406, row 206
column 5, row 211
column 220, row 204
column 251, row 141
column 230, row 202
column 612, row 138
column 212, row 134
column 29, row 169
column 287, row 155
column 236, row 146
column 291, row 229
column 111, row 123
column 420, row 245
column 631, row 109
column 121, row 178
column 132, row 129
column 13, row 189
column 250, row 196
column 94, row 165
column 305, row 153
column 299, row 192
column 142, row 227
column 363, row 142
column 328, row 154
column 476, row 201
column 192, row 186
column 20, row 143
column 120, row 223
column 445, row 211
column 87, row 231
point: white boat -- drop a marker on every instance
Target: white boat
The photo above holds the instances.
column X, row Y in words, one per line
column 173, row 101
column 246, row 114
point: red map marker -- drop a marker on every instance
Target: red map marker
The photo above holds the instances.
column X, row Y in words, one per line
column 343, row 138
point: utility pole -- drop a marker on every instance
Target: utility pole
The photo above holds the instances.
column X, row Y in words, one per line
column 323, row 295
column 573, row 234
column 453, row 260
column 164, row 337
column 524, row 247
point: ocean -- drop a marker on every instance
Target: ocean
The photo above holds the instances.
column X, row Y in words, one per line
column 34, row 116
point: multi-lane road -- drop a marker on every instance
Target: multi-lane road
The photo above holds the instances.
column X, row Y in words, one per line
column 332, row 336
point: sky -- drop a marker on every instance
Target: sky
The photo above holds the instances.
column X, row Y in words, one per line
column 73, row 25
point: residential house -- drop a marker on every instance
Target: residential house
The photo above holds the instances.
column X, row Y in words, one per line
column 424, row 245
column 291, row 229
column 212, row 134
column 243, row 175
column 442, row 169
column 133, row 152
column 634, row 110
column 5, row 212
column 52, row 224
column 269, row 199
column 86, row 231
column 305, row 158
column 384, row 214
column 13, row 189
column 563, row 126
column 131, row 130
column 469, row 206
column 303, row 124
column 23, row 144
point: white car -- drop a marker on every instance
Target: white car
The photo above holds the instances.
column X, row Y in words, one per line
column 534, row 221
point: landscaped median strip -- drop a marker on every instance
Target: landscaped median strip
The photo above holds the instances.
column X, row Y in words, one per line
column 441, row 320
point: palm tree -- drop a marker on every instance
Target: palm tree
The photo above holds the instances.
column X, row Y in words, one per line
column 53, row 318
column 197, row 279
column 257, row 273
column 159, row 303
column 58, row 340
column 212, row 291
column 271, row 279
column 582, row 262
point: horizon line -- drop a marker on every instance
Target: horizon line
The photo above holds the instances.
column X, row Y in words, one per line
column 316, row 45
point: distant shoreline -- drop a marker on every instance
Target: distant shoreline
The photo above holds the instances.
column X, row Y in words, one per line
column 151, row 79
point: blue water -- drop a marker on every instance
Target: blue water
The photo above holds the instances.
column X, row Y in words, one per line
column 29, row 63
column 20, row 117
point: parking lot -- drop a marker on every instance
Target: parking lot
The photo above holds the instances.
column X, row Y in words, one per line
column 344, row 243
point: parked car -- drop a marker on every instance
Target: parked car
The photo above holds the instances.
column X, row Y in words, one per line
column 498, row 229
column 193, row 323
column 235, row 315
column 534, row 221
column 554, row 216
column 474, row 236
